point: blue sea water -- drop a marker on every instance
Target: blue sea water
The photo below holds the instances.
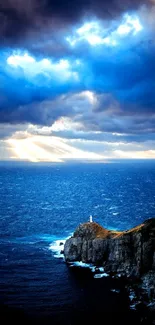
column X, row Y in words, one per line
column 41, row 204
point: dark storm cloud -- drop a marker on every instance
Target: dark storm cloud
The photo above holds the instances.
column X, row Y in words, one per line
column 125, row 71
column 32, row 99
column 122, row 124
column 124, row 89
column 19, row 17
column 121, row 77
column 7, row 130
column 88, row 123
column 38, row 113
column 98, row 136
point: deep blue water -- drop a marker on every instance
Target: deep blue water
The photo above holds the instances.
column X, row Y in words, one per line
column 41, row 204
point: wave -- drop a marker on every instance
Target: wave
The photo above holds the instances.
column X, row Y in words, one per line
column 57, row 247
column 115, row 290
column 99, row 271
column 113, row 207
column 101, row 275
column 98, row 206
column 81, row 264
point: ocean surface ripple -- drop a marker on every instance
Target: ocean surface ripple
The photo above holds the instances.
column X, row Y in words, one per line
column 39, row 208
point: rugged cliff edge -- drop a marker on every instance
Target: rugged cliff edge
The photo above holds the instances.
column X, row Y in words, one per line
column 131, row 252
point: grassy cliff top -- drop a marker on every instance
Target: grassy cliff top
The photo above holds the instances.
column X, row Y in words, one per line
column 92, row 230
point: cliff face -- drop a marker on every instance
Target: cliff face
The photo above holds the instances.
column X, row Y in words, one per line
column 130, row 252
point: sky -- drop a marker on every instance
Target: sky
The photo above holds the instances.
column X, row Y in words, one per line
column 77, row 80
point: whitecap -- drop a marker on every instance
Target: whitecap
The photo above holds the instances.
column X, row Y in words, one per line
column 115, row 213
column 100, row 275
column 113, row 207
column 98, row 206
column 90, row 266
column 119, row 275
column 57, row 246
column 47, row 208
column 132, row 295
column 59, row 255
column 81, row 264
column 115, row 290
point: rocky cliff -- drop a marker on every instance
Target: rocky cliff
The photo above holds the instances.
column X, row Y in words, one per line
column 131, row 252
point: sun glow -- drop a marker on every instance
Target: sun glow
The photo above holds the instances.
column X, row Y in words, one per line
column 45, row 148
column 27, row 150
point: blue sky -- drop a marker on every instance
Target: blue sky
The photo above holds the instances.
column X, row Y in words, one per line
column 77, row 80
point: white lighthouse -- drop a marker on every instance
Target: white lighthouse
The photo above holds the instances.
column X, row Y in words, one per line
column 91, row 218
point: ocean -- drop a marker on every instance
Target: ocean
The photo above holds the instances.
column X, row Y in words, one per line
column 40, row 206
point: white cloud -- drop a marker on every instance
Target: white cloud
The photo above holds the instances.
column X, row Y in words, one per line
column 91, row 32
column 62, row 69
column 19, row 60
column 130, row 24
column 143, row 154
column 65, row 123
column 95, row 34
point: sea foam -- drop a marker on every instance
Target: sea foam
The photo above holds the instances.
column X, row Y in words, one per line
column 90, row 266
column 101, row 275
column 81, row 264
column 57, row 248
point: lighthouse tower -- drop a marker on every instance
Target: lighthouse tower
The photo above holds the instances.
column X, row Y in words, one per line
column 91, row 218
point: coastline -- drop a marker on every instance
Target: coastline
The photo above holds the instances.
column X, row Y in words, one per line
column 129, row 254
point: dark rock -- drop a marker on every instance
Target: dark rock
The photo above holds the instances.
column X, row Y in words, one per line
column 73, row 249
column 130, row 252
column 61, row 243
